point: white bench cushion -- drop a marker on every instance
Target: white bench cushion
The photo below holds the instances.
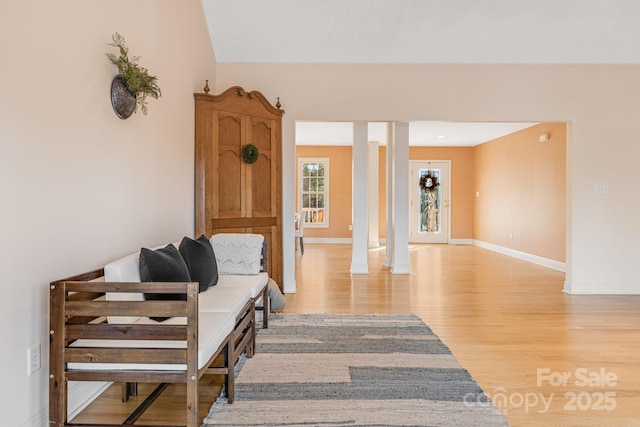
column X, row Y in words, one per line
column 254, row 283
column 223, row 300
column 213, row 328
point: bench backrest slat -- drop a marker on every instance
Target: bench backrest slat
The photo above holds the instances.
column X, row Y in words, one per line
column 127, row 287
column 107, row 331
column 126, row 355
column 169, row 308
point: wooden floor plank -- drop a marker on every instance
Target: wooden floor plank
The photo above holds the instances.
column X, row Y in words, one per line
column 504, row 319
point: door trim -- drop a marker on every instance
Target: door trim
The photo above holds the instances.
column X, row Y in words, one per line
column 448, row 195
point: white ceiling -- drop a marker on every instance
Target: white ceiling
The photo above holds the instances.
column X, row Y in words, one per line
column 420, row 133
column 425, row 31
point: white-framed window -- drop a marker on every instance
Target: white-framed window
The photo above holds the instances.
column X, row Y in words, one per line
column 313, row 184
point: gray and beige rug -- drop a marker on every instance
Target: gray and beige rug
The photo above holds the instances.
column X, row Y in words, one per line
column 353, row 370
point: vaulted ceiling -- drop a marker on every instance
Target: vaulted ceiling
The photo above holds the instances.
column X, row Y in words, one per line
column 424, row 32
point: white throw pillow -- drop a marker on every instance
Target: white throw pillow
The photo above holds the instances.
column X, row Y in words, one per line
column 237, row 253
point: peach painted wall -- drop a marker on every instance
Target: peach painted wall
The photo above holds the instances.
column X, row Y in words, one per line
column 523, row 191
column 340, row 187
column 518, row 158
column 340, row 190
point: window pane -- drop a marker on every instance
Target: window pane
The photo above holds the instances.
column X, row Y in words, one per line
column 314, row 191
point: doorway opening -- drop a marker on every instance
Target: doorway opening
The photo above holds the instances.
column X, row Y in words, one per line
column 429, row 194
column 505, row 192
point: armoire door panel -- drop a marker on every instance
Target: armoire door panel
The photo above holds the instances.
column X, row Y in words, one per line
column 229, row 180
column 229, row 215
column 204, row 167
column 233, row 196
column 262, row 214
column 228, row 230
column 261, row 133
column 261, row 186
column 243, row 222
column 230, row 129
column 276, row 171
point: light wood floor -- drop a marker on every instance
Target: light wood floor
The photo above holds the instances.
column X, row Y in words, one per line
column 504, row 319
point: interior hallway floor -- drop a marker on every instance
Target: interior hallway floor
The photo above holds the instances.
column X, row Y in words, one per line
column 545, row 357
column 503, row 318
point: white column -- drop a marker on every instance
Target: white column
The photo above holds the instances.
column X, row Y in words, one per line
column 400, row 263
column 360, row 222
column 288, row 204
column 374, row 172
column 388, row 262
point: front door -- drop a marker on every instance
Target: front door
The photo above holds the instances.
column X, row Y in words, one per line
column 429, row 194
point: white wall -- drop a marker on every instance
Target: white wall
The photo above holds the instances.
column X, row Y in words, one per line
column 602, row 104
column 78, row 186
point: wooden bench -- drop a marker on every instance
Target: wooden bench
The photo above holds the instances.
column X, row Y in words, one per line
column 84, row 347
column 101, row 331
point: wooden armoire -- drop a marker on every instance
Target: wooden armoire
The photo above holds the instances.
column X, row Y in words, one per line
column 233, row 196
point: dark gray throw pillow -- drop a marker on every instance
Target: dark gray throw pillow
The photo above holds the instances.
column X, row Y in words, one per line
column 201, row 261
column 163, row 265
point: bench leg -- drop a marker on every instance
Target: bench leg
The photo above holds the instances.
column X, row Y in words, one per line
column 229, row 381
column 128, row 390
column 192, row 403
column 250, row 349
column 266, row 307
column 58, row 403
column 57, row 382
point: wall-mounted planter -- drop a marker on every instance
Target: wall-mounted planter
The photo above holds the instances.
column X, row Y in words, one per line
column 123, row 101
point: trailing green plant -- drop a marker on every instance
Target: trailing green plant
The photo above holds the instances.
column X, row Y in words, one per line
column 137, row 77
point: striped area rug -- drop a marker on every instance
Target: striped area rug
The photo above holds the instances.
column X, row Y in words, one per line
column 353, row 370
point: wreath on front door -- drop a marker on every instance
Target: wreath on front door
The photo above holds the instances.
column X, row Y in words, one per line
column 429, row 182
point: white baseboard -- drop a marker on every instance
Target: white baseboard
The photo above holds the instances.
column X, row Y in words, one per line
column 82, row 393
column 461, row 241
column 41, row 419
column 535, row 259
column 600, row 288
